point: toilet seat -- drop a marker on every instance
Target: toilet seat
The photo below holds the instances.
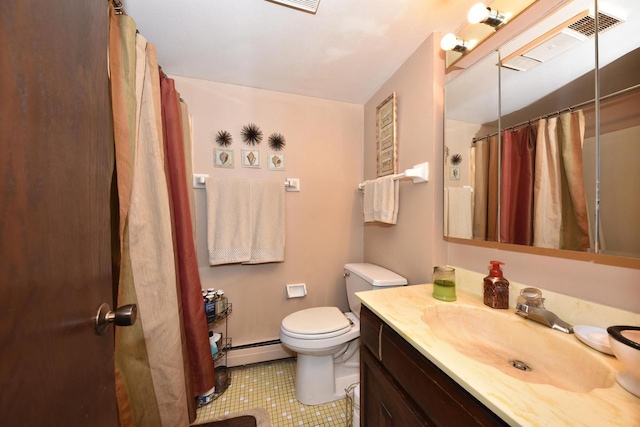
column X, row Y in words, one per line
column 316, row 323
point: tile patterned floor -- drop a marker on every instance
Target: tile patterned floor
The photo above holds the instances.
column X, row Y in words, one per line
column 272, row 386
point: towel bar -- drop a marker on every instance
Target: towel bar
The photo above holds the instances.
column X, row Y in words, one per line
column 200, row 179
column 419, row 173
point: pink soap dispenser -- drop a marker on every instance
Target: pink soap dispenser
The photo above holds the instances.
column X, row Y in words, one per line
column 496, row 287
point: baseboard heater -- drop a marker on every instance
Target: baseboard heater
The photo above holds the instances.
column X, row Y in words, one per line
column 256, row 344
column 257, row 352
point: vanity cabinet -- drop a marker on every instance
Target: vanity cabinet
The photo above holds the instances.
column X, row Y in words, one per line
column 400, row 387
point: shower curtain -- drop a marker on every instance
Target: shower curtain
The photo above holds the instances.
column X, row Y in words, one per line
column 547, row 189
column 561, row 217
column 516, row 188
column 542, row 193
column 155, row 381
column 575, row 222
column 485, row 215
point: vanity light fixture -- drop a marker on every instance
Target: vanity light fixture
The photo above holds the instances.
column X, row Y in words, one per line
column 479, row 13
column 452, row 42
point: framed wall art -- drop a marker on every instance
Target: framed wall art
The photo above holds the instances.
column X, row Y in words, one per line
column 251, row 158
column 275, row 162
column 386, row 132
column 223, row 158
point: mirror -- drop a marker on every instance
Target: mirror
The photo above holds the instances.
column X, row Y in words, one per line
column 535, row 182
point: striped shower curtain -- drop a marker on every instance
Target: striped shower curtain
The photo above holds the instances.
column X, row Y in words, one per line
column 542, row 195
column 155, row 383
column 560, row 207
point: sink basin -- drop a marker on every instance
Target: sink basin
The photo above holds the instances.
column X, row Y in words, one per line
column 520, row 348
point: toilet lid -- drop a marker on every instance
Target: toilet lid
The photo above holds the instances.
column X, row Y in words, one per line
column 324, row 321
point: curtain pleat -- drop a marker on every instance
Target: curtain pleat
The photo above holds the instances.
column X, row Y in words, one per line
column 185, row 119
column 202, row 374
column 523, row 224
column 135, row 394
column 516, row 188
column 152, row 257
column 547, row 187
column 157, row 100
column 481, row 190
column 575, row 223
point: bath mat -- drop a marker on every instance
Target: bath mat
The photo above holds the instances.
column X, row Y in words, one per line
column 256, row 417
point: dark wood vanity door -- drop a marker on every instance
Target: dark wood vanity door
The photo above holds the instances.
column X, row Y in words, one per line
column 383, row 404
column 401, row 387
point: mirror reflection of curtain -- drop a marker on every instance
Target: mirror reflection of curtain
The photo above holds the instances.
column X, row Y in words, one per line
column 481, row 183
column 485, row 216
column 547, row 192
column 561, row 218
column 575, row 223
column 516, row 192
column 542, row 194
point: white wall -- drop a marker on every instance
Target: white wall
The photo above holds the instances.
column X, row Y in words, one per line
column 323, row 221
column 414, row 245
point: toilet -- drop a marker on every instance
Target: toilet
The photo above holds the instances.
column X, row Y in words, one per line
column 327, row 340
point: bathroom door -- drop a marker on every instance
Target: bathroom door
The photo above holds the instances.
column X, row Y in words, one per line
column 56, row 166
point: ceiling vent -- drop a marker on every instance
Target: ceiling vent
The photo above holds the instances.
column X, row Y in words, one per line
column 560, row 39
column 306, row 5
column 587, row 25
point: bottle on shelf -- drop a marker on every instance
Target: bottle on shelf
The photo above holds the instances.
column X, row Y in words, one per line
column 221, row 302
column 210, row 305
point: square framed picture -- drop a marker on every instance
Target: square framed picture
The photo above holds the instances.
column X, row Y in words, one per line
column 223, row 158
column 276, row 162
column 250, row 158
column 454, row 173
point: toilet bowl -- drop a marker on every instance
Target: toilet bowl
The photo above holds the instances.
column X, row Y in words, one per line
column 326, row 340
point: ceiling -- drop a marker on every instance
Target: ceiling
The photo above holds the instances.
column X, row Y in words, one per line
column 344, row 52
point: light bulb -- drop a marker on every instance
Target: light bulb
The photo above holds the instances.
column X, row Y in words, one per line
column 452, row 42
column 478, row 13
column 448, row 42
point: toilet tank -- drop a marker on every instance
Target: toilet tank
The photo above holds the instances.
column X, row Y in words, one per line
column 365, row 277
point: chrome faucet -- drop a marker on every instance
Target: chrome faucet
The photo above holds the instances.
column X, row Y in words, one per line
column 530, row 305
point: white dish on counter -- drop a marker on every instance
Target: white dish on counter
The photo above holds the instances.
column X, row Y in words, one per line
column 594, row 337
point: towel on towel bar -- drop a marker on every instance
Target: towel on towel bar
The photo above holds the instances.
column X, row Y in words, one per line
column 245, row 221
column 459, row 212
column 228, row 220
column 268, row 226
column 381, row 200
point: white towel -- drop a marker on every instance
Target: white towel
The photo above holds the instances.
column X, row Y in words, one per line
column 381, row 200
column 459, row 212
column 268, row 224
column 229, row 226
column 246, row 222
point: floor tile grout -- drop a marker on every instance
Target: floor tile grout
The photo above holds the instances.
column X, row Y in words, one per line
column 271, row 386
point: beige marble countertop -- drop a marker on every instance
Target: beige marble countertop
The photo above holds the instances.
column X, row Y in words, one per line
column 517, row 402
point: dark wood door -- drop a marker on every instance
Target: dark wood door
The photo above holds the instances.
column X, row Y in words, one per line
column 56, row 165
